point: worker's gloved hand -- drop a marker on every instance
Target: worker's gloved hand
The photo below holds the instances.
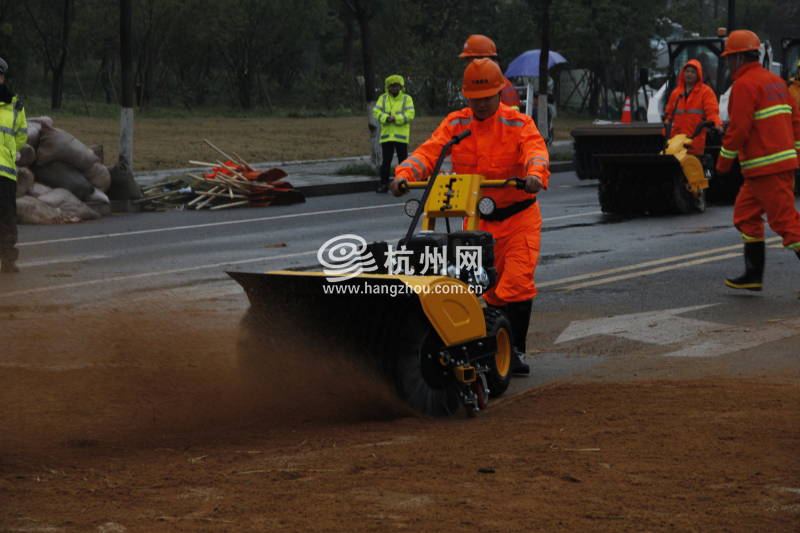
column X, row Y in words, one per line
column 533, row 184
column 398, row 186
column 720, row 130
column 390, row 118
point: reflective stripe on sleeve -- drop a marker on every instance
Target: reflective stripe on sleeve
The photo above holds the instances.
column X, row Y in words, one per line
column 768, row 159
column 460, row 121
column 5, row 129
column 537, row 161
column 728, row 154
column 417, row 174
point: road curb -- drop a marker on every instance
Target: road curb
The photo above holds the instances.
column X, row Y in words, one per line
column 368, row 185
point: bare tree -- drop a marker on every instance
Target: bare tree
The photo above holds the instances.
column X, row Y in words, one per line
column 363, row 11
column 52, row 22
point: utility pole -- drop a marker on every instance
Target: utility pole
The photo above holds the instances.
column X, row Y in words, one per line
column 123, row 185
column 126, row 56
column 731, row 15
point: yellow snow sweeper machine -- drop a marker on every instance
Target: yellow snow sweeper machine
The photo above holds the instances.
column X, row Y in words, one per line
column 426, row 333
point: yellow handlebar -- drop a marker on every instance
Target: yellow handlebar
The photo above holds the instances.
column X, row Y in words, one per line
column 485, row 184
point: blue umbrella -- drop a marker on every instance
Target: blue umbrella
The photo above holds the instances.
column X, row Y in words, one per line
column 527, row 63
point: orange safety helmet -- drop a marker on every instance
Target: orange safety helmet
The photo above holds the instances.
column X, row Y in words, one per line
column 478, row 46
column 482, row 78
column 741, row 41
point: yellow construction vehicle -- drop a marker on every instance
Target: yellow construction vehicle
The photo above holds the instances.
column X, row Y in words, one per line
column 425, row 331
column 668, row 182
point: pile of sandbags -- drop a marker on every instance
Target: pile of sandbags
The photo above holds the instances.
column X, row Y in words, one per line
column 59, row 179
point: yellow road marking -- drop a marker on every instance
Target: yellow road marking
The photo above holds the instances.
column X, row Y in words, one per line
column 628, row 268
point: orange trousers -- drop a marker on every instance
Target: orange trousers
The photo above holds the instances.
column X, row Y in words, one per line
column 516, row 254
column 772, row 195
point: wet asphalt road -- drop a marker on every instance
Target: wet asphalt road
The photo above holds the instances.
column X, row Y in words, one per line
column 663, row 273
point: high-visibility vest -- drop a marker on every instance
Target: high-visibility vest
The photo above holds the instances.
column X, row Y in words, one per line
column 401, row 107
column 764, row 128
column 13, row 135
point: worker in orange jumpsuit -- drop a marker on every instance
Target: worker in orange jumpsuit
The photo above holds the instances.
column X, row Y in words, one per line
column 479, row 46
column 504, row 143
column 691, row 103
column 764, row 134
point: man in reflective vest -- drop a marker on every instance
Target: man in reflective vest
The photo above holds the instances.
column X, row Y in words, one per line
column 13, row 135
column 504, row 143
column 691, row 103
column 764, row 134
column 478, row 46
column 394, row 110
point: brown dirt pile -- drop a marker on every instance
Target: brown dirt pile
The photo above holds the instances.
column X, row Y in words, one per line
column 142, row 419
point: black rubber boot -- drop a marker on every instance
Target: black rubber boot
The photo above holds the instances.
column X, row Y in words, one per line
column 754, row 258
column 519, row 314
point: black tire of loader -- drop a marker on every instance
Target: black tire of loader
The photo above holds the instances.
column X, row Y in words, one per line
column 497, row 378
column 685, row 202
column 420, row 380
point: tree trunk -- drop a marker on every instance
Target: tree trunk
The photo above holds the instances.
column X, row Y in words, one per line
column 374, row 136
column 57, row 83
column 366, row 54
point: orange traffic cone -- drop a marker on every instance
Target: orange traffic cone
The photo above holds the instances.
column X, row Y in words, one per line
column 626, row 111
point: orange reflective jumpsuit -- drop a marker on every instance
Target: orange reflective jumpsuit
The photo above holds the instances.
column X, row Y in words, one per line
column 764, row 133
column 686, row 111
column 505, row 145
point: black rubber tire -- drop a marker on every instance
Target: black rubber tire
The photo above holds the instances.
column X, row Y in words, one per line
column 499, row 376
column 685, row 201
column 607, row 195
column 419, row 379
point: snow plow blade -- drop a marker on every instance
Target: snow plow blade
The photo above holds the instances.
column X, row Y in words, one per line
column 399, row 328
column 650, row 183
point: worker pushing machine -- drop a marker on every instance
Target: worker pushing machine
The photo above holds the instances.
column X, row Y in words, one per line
column 691, row 103
column 503, row 143
column 764, row 134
